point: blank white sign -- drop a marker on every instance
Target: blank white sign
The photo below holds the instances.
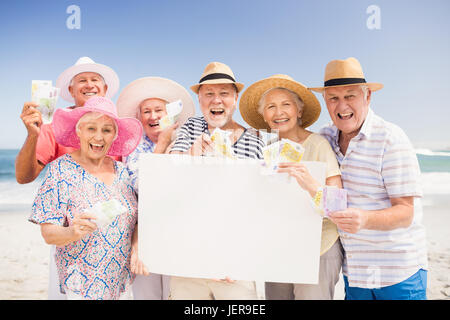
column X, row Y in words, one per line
column 207, row 217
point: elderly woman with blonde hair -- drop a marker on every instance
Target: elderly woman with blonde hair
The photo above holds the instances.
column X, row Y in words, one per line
column 93, row 259
column 285, row 105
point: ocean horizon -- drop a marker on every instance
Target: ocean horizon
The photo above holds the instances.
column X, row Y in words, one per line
column 434, row 165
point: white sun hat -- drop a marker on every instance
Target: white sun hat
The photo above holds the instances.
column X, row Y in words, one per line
column 86, row 64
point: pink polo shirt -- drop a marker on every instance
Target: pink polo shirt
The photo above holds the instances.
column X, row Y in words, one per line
column 47, row 149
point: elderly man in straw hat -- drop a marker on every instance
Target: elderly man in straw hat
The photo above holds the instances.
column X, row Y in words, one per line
column 78, row 83
column 381, row 231
column 217, row 95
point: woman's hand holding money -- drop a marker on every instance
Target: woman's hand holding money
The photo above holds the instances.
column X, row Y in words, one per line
column 165, row 138
column 31, row 118
column 301, row 174
column 82, row 225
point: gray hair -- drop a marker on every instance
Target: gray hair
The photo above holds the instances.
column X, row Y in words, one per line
column 101, row 77
column 90, row 116
column 138, row 109
column 298, row 101
column 364, row 88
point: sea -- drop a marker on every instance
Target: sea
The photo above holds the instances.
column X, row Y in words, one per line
column 434, row 165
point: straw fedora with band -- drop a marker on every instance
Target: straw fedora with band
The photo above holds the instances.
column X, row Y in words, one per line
column 129, row 130
column 154, row 87
column 248, row 104
column 217, row 73
column 86, row 64
column 339, row 73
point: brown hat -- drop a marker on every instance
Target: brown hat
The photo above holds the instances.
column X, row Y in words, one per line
column 248, row 105
column 217, row 73
column 347, row 72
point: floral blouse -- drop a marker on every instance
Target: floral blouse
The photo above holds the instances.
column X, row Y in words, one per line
column 146, row 146
column 98, row 265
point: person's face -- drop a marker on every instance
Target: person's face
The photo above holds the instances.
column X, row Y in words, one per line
column 280, row 111
column 96, row 137
column 152, row 110
column 217, row 103
column 86, row 85
column 347, row 107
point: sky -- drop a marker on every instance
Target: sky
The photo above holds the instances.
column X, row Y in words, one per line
column 176, row 39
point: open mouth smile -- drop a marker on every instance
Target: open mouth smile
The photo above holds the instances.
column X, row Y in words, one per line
column 96, row 147
column 345, row 116
column 217, row 111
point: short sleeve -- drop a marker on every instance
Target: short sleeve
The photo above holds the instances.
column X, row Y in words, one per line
column 319, row 149
column 50, row 204
column 400, row 168
column 46, row 145
column 133, row 169
column 183, row 141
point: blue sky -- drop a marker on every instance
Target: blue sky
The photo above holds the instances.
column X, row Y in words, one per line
column 256, row 38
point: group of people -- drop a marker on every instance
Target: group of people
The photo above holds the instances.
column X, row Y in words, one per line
column 92, row 149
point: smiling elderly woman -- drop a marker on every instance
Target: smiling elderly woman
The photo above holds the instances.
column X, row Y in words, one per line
column 146, row 99
column 280, row 103
column 93, row 261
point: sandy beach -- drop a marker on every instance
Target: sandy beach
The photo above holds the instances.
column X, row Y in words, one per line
column 24, row 256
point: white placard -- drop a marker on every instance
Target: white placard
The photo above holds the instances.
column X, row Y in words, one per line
column 207, row 217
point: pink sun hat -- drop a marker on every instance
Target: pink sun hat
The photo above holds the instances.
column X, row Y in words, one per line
column 129, row 130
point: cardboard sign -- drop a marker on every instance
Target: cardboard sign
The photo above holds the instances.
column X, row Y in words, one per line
column 206, row 217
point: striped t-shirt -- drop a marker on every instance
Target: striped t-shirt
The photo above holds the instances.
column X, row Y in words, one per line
column 249, row 145
column 380, row 164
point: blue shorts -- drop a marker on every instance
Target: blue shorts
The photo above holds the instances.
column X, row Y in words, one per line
column 413, row 288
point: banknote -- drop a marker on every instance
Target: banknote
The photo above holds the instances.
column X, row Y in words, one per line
column 334, row 199
column 173, row 110
column 222, row 143
column 283, row 150
column 46, row 96
column 106, row 211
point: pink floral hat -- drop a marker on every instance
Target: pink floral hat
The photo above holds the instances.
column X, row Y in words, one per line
column 129, row 130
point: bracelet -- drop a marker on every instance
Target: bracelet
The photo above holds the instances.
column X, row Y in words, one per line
column 317, row 201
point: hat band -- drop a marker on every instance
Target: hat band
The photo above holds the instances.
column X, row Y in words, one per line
column 343, row 81
column 214, row 76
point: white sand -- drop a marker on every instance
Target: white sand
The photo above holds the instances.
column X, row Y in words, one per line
column 24, row 256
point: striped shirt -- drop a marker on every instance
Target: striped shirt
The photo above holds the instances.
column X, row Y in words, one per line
column 249, row 145
column 380, row 164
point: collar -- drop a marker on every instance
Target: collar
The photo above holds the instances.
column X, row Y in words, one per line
column 366, row 128
column 147, row 140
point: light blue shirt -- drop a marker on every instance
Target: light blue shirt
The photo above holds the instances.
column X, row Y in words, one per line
column 146, row 145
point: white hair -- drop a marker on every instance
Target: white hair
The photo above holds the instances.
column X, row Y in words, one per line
column 364, row 88
column 91, row 116
column 298, row 101
column 138, row 109
column 101, row 77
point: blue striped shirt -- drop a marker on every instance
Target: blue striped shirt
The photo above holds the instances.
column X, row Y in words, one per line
column 380, row 164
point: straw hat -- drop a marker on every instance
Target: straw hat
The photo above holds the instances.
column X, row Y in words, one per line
column 86, row 64
column 129, row 130
column 154, row 87
column 248, row 105
column 347, row 72
column 217, row 73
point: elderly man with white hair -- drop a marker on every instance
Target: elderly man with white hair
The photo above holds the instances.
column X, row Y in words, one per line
column 380, row 231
